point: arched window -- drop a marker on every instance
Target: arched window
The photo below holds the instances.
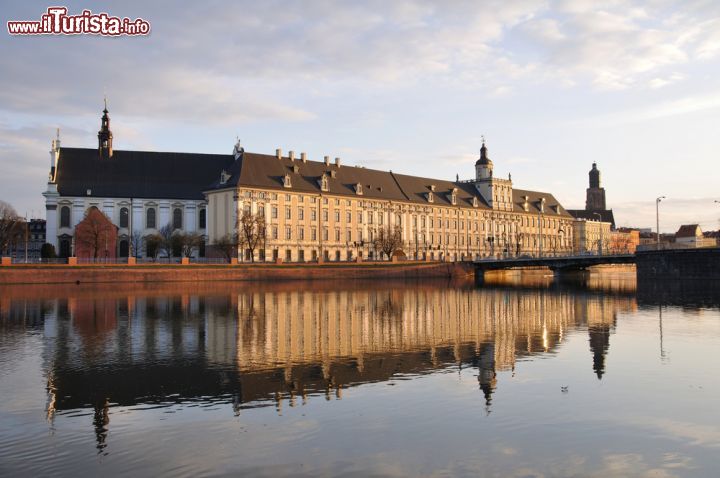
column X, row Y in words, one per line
column 65, row 216
column 124, row 217
column 202, row 220
column 177, row 218
column 150, row 218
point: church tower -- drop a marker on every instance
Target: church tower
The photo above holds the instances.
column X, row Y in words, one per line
column 105, row 136
column 496, row 192
column 595, row 194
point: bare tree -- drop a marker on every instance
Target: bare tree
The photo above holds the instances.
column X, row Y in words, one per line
column 252, row 231
column 388, row 240
column 152, row 245
column 188, row 242
column 95, row 231
column 166, row 241
column 136, row 243
column 227, row 246
column 12, row 226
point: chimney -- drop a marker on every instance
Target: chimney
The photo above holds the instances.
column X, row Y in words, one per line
column 303, row 156
column 337, row 162
column 292, row 155
column 327, row 160
column 278, row 153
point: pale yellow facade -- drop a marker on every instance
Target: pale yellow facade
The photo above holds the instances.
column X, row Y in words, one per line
column 591, row 237
column 305, row 227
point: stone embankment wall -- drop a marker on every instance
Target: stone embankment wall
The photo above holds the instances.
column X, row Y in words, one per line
column 54, row 274
column 701, row 263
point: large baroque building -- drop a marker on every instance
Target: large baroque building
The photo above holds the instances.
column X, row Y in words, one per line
column 313, row 210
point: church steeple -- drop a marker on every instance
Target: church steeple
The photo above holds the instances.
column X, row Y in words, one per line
column 483, row 166
column 105, row 136
column 594, row 176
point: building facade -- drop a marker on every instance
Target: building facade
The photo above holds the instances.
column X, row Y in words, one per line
column 140, row 192
column 324, row 210
column 592, row 237
column 311, row 210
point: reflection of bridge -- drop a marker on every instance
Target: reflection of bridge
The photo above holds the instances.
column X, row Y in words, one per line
column 556, row 263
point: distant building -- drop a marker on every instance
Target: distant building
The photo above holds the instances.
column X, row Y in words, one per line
column 35, row 240
column 591, row 236
column 690, row 235
column 624, row 241
column 595, row 205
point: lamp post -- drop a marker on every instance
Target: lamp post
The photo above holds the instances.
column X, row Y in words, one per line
column 657, row 219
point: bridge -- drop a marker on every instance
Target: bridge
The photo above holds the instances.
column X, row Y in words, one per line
column 555, row 263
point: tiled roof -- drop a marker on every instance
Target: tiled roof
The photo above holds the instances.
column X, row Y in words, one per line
column 689, row 230
column 143, row 174
column 138, row 174
column 606, row 215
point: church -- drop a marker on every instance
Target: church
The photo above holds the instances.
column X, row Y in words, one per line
column 313, row 210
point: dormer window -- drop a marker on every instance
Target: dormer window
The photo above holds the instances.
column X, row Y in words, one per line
column 333, row 173
column 475, row 202
column 224, row 177
column 526, row 204
column 453, row 196
column 286, row 182
column 324, row 182
column 296, row 168
column 358, row 189
column 430, row 197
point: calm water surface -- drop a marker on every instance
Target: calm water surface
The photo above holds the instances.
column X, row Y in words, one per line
column 523, row 376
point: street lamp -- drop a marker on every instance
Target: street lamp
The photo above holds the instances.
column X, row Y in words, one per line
column 657, row 219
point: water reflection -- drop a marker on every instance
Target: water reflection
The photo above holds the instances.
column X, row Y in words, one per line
column 279, row 345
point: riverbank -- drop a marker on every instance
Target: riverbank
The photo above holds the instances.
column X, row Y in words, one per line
column 96, row 273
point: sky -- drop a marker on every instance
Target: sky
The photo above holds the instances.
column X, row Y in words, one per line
column 407, row 86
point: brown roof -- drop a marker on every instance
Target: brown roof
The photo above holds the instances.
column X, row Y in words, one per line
column 689, row 230
column 267, row 171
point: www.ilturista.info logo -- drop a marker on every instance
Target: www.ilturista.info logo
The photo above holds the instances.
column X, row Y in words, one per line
column 57, row 22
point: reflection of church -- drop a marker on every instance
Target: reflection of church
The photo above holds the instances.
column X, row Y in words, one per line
column 280, row 346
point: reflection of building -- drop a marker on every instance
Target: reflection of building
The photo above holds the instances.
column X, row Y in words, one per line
column 278, row 345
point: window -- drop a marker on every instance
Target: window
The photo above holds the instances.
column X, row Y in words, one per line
column 288, row 233
column 124, row 218
column 202, row 221
column 337, row 235
column 380, row 218
column 348, row 217
column 273, row 212
column 337, row 216
column 325, row 234
column 301, row 233
column 261, row 210
column 275, row 233
column 177, row 218
column 288, row 212
column 325, row 215
column 313, row 234
column 301, row 213
column 360, row 215
column 65, row 216
column 150, row 222
column 348, row 235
